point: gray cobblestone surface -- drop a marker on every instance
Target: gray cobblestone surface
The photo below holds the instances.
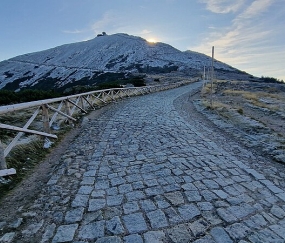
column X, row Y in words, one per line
column 147, row 172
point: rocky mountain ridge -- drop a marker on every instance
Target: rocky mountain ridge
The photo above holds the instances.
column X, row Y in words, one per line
column 104, row 58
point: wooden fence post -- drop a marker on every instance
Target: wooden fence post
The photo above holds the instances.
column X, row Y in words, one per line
column 3, row 164
column 45, row 119
column 68, row 111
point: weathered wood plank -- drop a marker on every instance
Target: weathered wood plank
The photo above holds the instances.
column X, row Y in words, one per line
column 7, row 172
column 27, row 130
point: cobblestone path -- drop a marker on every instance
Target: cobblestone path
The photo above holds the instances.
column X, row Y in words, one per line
column 143, row 173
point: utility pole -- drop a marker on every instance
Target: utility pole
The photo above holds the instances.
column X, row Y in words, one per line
column 212, row 76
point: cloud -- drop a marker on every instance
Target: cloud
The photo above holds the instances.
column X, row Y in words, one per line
column 74, row 31
column 223, row 6
column 256, row 8
column 245, row 42
column 145, row 32
column 108, row 18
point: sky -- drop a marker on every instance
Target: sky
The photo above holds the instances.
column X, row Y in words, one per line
column 247, row 34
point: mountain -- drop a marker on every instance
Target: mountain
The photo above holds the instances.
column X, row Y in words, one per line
column 104, row 58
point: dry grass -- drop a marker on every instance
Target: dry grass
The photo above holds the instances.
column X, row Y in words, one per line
column 255, row 98
column 24, row 157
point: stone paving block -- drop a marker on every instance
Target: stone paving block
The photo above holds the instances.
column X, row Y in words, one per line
column 111, row 212
column 255, row 174
column 112, row 191
column 173, row 216
column 221, row 194
column 281, row 196
column 48, row 234
column 242, row 198
column 238, row 231
column 211, row 184
column 205, row 206
column 88, row 180
column 135, row 195
column 241, row 211
column 154, row 237
column 226, row 215
column 175, row 198
column 157, row 219
column 208, row 195
column 179, row 234
column 189, row 187
column 193, row 196
column 231, row 190
column 188, row 211
column 65, row 233
column 89, row 173
column 85, row 190
column 114, row 200
column 80, row 200
column 57, row 217
column 92, row 231
column 265, row 235
column 117, row 181
column 96, row 204
column 277, row 212
column 279, row 230
column 220, row 235
column 147, row 205
column 269, row 217
column 206, row 239
column 98, row 194
column 134, row 177
column 115, row 226
column 275, row 189
column 135, row 238
column 152, row 182
column 130, row 207
column 171, row 188
column 138, row 185
column 221, row 204
column 102, row 184
column 161, row 202
column 135, row 223
column 187, row 179
column 74, row 215
column 199, row 227
column 32, row 229
column 109, row 239
column 125, row 188
column 153, row 191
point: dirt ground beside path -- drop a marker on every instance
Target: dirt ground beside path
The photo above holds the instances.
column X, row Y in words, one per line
column 256, row 109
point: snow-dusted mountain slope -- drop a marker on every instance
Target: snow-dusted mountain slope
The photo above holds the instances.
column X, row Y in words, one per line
column 98, row 59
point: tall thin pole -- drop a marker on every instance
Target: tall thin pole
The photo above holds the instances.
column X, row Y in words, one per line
column 212, row 76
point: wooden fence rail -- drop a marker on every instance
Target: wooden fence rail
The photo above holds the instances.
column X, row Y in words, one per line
column 50, row 111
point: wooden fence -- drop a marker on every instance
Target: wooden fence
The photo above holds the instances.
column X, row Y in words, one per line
column 51, row 110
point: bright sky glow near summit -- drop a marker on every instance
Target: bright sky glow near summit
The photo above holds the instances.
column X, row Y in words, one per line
column 247, row 34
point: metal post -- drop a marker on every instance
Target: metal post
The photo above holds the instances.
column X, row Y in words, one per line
column 212, row 76
column 3, row 164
